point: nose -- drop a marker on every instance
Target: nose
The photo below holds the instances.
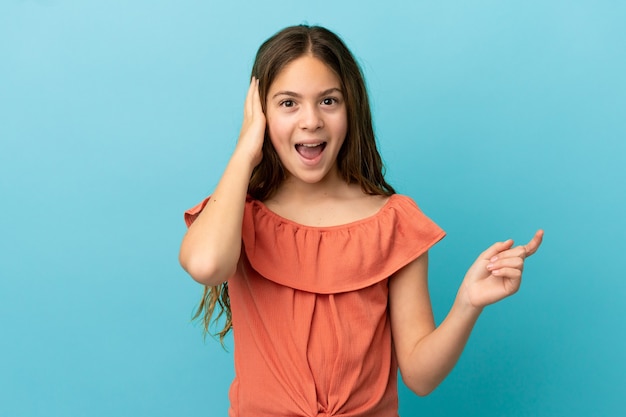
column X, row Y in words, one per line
column 311, row 118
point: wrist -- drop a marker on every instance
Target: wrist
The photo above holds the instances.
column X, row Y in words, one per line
column 244, row 160
column 464, row 305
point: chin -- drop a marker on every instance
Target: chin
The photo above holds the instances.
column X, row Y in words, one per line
column 309, row 177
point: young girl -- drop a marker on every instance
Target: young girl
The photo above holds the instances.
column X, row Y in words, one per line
column 320, row 267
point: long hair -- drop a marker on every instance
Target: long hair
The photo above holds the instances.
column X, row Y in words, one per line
column 358, row 160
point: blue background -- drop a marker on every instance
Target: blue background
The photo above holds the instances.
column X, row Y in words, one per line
column 496, row 117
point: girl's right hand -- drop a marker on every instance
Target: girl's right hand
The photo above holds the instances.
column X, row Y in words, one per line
column 252, row 133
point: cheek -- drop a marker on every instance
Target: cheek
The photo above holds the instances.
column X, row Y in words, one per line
column 345, row 125
column 341, row 124
column 278, row 130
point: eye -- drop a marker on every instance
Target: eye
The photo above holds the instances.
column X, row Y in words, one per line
column 329, row 101
column 287, row 103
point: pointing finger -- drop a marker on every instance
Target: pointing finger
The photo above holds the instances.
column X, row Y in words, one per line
column 532, row 246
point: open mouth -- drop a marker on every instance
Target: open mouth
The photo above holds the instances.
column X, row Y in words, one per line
column 310, row 150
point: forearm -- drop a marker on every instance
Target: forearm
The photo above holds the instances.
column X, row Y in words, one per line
column 436, row 354
column 211, row 247
column 427, row 354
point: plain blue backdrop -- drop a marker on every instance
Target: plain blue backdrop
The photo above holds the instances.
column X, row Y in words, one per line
column 497, row 117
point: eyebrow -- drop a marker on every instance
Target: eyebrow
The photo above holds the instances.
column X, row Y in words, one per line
column 297, row 95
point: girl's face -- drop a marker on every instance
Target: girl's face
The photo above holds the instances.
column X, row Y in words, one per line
column 307, row 119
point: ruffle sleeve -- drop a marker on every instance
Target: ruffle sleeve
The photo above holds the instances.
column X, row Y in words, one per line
column 194, row 212
column 336, row 259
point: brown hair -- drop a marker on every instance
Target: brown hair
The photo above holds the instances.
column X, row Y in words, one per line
column 358, row 160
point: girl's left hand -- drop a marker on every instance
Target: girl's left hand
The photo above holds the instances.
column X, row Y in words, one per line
column 497, row 273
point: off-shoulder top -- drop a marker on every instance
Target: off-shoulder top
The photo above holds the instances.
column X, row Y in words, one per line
column 311, row 329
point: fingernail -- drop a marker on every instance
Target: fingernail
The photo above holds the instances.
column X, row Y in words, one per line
column 496, row 272
column 495, row 258
column 489, row 266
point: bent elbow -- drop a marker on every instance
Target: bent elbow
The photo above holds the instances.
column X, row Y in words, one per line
column 419, row 386
column 205, row 271
column 423, row 391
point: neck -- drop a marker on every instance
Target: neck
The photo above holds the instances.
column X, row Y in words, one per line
column 331, row 185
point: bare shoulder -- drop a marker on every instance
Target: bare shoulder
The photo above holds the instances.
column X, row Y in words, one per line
column 365, row 205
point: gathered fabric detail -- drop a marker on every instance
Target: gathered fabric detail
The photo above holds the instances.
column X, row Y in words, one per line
column 328, row 260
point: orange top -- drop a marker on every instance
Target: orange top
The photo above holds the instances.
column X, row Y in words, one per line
column 309, row 306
